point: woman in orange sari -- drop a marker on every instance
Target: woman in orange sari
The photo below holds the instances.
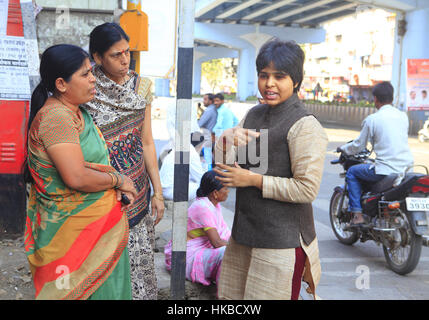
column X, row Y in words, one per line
column 76, row 233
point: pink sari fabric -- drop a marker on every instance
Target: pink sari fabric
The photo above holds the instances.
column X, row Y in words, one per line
column 202, row 259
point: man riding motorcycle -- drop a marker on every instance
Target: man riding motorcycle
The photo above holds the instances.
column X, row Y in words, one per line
column 387, row 131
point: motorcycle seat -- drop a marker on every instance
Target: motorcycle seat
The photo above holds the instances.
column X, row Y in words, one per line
column 384, row 184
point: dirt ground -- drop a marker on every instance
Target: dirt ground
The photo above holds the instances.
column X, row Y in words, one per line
column 16, row 282
column 15, row 276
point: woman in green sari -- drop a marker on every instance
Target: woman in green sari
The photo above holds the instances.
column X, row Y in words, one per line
column 76, row 233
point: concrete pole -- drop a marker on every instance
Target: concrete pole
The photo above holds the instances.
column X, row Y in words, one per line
column 246, row 73
column 185, row 59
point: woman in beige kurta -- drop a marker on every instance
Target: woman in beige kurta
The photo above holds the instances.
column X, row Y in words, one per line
column 253, row 268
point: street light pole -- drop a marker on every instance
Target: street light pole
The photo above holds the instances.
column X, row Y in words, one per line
column 185, row 57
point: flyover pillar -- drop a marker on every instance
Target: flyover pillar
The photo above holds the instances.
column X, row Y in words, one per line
column 196, row 80
column 246, row 74
column 413, row 45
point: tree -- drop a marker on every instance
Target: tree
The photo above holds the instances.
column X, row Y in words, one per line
column 213, row 71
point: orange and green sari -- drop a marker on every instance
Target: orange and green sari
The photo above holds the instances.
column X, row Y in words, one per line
column 76, row 242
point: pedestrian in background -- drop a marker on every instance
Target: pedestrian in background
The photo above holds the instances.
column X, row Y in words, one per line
column 225, row 117
column 208, row 118
column 273, row 245
column 206, row 124
column 122, row 110
column 76, row 233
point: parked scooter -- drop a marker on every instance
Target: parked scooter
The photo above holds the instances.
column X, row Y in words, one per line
column 424, row 132
column 397, row 206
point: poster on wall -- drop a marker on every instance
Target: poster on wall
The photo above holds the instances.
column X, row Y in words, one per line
column 14, row 84
column 417, row 84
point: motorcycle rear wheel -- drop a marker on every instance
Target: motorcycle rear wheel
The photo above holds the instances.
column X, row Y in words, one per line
column 345, row 237
column 404, row 259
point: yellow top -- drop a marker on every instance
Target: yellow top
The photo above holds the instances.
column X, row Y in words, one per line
column 200, row 232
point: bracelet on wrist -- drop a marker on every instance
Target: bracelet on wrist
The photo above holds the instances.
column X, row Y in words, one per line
column 119, row 177
column 158, row 196
column 122, row 180
column 111, row 177
column 114, row 179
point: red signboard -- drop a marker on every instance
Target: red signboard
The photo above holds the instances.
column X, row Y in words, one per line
column 13, row 114
column 417, row 84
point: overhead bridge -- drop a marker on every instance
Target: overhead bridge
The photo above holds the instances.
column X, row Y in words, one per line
column 238, row 28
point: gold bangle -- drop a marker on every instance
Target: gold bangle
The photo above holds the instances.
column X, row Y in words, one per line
column 159, row 196
column 111, row 177
column 118, row 175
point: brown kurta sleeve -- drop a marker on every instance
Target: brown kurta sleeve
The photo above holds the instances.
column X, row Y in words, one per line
column 58, row 125
column 307, row 148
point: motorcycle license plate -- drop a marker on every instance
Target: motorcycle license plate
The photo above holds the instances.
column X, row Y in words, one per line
column 417, row 204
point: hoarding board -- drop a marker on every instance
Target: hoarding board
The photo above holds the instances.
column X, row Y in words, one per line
column 417, row 84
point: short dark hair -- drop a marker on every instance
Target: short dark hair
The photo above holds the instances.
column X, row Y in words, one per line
column 383, row 92
column 210, row 96
column 286, row 56
column 104, row 36
column 219, row 96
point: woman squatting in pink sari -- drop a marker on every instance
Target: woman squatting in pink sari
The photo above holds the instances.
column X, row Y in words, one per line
column 208, row 234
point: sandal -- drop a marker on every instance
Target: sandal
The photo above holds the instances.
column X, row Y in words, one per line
column 362, row 223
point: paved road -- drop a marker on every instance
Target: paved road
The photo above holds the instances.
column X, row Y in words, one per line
column 344, row 267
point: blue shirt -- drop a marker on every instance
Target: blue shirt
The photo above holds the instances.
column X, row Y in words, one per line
column 208, row 118
column 387, row 131
column 225, row 120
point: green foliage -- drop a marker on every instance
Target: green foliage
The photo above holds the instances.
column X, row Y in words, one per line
column 344, row 104
column 252, row 98
column 213, row 71
column 231, row 96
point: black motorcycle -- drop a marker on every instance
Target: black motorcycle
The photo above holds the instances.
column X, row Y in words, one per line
column 396, row 207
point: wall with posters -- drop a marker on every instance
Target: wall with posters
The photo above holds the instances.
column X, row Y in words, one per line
column 417, row 84
column 417, row 92
column 14, row 105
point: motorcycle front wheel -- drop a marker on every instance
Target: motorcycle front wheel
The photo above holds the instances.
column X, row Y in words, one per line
column 404, row 254
column 339, row 221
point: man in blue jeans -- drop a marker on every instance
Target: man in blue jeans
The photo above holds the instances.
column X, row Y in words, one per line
column 387, row 131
